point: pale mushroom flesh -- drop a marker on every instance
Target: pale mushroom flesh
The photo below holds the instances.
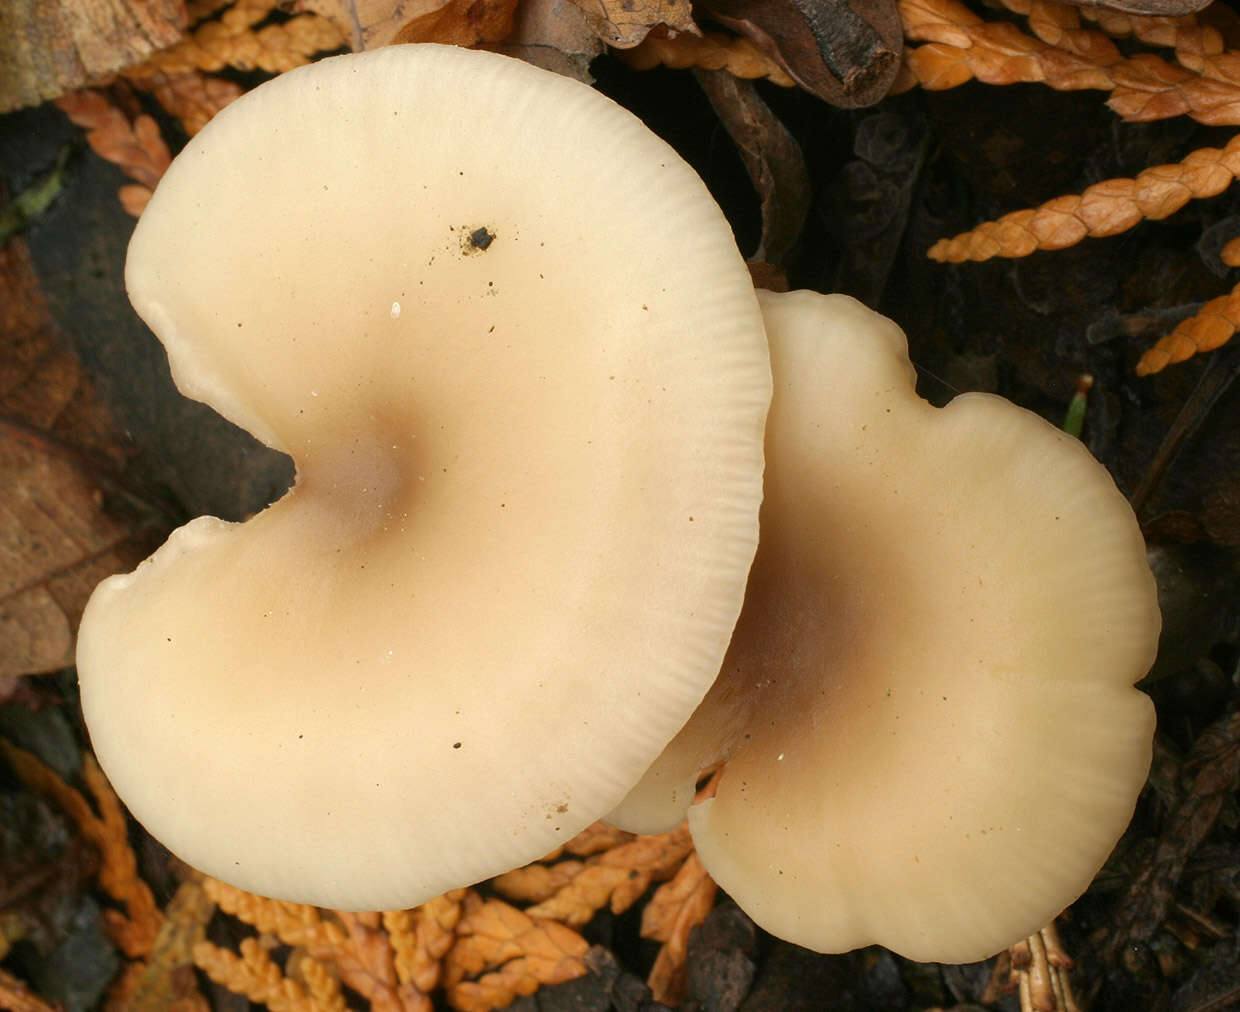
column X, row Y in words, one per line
column 928, row 712
column 506, row 336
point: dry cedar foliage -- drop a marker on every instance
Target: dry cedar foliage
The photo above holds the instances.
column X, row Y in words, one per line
column 136, row 147
column 391, row 959
column 572, row 891
column 154, row 943
column 193, row 97
column 482, row 953
column 709, row 51
column 15, row 996
column 1202, row 81
column 164, row 981
column 237, row 38
column 133, row 930
column 676, row 908
column 180, row 77
column 502, row 952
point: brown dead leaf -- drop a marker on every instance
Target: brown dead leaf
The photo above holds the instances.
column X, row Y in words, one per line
column 66, row 520
column 463, row 23
column 675, row 909
column 369, row 24
column 47, row 49
column 554, row 35
column 501, row 953
column 624, row 23
column 846, row 52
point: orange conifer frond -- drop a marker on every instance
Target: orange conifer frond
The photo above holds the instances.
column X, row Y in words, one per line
column 136, row 147
column 596, row 838
column 616, row 877
column 293, row 923
column 322, row 984
column 161, row 983
column 135, row 930
column 1192, row 41
column 959, row 46
column 17, row 997
column 253, row 974
column 200, row 10
column 192, row 97
column 709, row 51
column 536, row 883
column 367, row 965
column 1211, row 327
column 1106, row 208
column 392, row 959
column 676, row 908
column 1203, row 83
column 422, row 937
column 232, row 40
column 501, row 953
column 1059, row 25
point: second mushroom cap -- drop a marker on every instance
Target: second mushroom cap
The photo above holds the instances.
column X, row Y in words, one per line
column 927, row 709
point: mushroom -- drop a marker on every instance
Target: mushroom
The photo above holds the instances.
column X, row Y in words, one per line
column 927, row 711
column 507, row 338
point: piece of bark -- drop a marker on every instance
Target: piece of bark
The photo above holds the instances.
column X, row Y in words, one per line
column 772, row 157
column 47, row 49
column 846, row 52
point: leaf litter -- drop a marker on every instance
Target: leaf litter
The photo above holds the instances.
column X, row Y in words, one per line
column 471, row 948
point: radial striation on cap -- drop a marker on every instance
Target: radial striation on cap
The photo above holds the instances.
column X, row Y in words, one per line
column 507, row 338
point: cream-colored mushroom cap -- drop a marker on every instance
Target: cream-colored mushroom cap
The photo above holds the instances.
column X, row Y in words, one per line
column 506, row 336
column 928, row 702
